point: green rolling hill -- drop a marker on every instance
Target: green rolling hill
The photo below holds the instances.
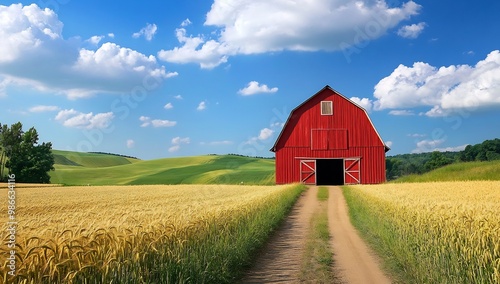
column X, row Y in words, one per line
column 458, row 172
column 75, row 168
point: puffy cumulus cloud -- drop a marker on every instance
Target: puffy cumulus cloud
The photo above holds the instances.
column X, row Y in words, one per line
column 177, row 142
column 147, row 121
column 201, row 106
column 255, row 87
column 168, row 106
column 445, row 89
column 32, row 36
column 75, row 119
column 260, row 26
column 388, row 144
column 43, row 108
column 411, row 31
column 364, row 103
column 211, row 53
column 425, row 146
column 148, row 32
column 26, row 29
column 117, row 68
column 265, row 133
column 95, row 40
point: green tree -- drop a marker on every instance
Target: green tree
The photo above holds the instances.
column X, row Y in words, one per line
column 9, row 138
column 437, row 160
column 23, row 156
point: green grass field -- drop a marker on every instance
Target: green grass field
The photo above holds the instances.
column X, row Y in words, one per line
column 458, row 172
column 74, row 168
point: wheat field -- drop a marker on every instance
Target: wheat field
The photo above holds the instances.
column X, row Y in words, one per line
column 141, row 234
column 438, row 232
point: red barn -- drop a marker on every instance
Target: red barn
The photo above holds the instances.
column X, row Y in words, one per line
column 329, row 140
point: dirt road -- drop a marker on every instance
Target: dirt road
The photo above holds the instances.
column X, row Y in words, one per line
column 353, row 259
column 280, row 260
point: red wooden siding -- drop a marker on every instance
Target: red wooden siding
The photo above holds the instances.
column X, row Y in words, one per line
column 347, row 134
column 328, row 139
column 372, row 162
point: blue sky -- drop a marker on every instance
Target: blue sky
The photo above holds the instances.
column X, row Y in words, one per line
column 157, row 79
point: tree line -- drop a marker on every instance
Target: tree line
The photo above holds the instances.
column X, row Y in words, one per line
column 113, row 154
column 23, row 156
column 406, row 164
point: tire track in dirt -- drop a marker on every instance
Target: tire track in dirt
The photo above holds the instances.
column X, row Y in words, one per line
column 353, row 260
column 281, row 258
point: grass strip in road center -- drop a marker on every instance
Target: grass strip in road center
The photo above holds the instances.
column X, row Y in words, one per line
column 318, row 256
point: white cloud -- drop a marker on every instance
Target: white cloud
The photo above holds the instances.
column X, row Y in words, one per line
column 411, row 31
column 42, row 108
column 202, row 105
column 168, row 106
column 185, row 23
column 174, row 148
column 95, row 40
column 260, row 26
column 177, row 142
column 211, row 53
column 437, row 111
column 445, row 89
column 76, row 119
column 255, row 87
column 147, row 121
column 31, row 36
column 388, row 144
column 425, row 146
column 148, row 32
column 115, row 65
column 130, row 143
column 265, row 134
column 163, row 123
column 364, row 103
column 111, row 35
column 401, row 112
column 178, row 97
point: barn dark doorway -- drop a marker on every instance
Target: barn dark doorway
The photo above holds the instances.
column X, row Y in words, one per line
column 329, row 171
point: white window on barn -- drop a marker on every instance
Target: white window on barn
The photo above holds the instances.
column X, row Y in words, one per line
column 326, row 108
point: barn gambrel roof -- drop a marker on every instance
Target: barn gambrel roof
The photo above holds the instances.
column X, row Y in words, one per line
column 327, row 87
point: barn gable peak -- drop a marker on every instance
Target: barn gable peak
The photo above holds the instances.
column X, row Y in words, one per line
column 327, row 87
